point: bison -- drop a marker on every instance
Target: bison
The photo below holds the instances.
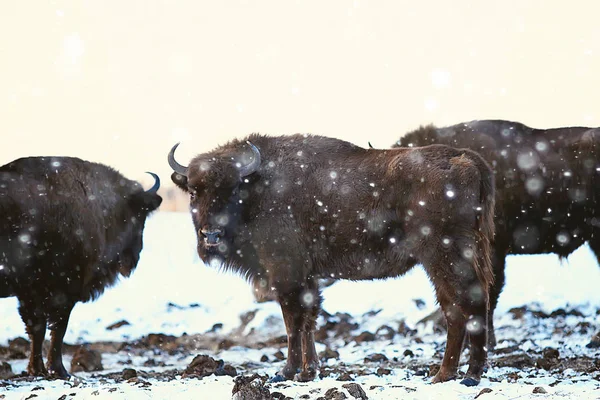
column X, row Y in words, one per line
column 286, row 210
column 547, row 187
column 68, row 229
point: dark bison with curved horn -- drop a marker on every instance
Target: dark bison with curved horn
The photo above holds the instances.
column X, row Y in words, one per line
column 68, row 229
column 285, row 210
column 547, row 188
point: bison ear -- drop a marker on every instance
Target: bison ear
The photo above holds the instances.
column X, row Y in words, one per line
column 180, row 181
column 145, row 201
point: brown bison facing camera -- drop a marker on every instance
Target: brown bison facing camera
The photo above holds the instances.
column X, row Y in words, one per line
column 286, row 210
column 547, row 187
column 68, row 229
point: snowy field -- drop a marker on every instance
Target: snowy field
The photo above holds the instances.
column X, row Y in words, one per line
column 173, row 293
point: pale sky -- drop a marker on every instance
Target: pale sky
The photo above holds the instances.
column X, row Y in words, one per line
column 120, row 81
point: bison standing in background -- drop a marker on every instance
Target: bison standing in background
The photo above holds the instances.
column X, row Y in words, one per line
column 547, row 187
column 68, row 229
column 284, row 211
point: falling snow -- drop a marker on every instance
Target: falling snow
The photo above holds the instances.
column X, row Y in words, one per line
column 143, row 301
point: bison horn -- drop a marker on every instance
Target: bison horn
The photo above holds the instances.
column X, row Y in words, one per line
column 254, row 164
column 154, row 188
column 180, row 169
column 370, row 145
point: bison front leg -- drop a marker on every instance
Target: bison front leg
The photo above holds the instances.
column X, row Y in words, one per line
column 310, row 360
column 35, row 324
column 311, row 304
column 300, row 308
column 59, row 320
column 292, row 317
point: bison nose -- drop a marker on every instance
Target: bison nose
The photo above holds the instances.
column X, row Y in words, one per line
column 211, row 237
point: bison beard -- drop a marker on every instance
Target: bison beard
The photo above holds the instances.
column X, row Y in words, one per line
column 284, row 211
column 68, row 229
column 546, row 187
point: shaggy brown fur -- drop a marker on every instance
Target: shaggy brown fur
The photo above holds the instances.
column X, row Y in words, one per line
column 547, row 187
column 68, row 229
column 313, row 206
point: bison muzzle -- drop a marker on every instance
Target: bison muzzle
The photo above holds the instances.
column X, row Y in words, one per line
column 291, row 209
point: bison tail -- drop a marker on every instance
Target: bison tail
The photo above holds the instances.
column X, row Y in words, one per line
column 485, row 223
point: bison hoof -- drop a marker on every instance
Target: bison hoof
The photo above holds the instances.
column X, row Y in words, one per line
column 37, row 370
column 443, row 377
column 287, row 373
column 306, row 375
column 277, row 378
column 469, row 382
column 594, row 344
column 59, row 373
column 39, row 373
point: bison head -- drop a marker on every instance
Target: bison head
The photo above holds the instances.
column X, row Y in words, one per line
column 215, row 183
column 129, row 242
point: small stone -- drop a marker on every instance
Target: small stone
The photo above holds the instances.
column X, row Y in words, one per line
column 216, row 327
column 482, row 392
column 365, row 337
column 518, row 312
column 279, row 396
column 250, row 388
column 434, row 369
column 5, row 370
column 405, row 330
column 383, row 371
column 355, row 391
column 550, row 352
column 385, row 332
column 86, row 360
column 329, row 353
column 345, row 377
column 264, row 358
column 128, row 373
column 203, row 365
column 539, row 390
column 334, row 394
column 520, row 361
column 117, row 325
column 18, row 348
column 549, row 360
column 160, row 340
column 377, row 357
column 420, row 303
column 279, row 355
column 225, row 344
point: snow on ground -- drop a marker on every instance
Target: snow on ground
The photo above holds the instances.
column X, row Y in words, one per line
column 172, row 292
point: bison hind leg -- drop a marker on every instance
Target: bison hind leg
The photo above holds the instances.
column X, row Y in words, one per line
column 34, row 319
column 464, row 301
column 59, row 319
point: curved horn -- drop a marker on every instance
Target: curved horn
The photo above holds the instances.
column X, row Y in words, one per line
column 154, row 188
column 254, row 164
column 180, row 169
column 370, row 145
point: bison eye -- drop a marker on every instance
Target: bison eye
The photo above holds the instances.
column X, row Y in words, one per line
column 192, row 195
